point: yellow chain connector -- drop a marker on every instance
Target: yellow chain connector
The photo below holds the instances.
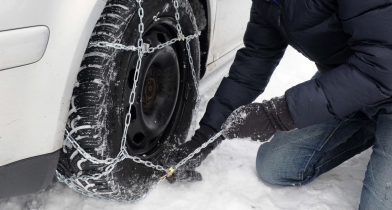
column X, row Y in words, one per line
column 169, row 172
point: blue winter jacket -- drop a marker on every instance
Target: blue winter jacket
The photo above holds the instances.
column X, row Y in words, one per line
column 349, row 40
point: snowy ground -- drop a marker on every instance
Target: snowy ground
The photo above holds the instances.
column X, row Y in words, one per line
column 229, row 175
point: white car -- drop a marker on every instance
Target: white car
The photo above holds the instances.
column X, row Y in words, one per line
column 53, row 78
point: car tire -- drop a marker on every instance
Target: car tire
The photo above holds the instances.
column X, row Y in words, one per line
column 164, row 102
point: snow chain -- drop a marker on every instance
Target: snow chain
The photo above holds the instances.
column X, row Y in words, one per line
column 142, row 48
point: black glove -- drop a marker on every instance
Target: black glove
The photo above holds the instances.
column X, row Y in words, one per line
column 259, row 121
column 187, row 173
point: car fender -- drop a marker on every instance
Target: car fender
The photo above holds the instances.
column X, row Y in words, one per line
column 35, row 98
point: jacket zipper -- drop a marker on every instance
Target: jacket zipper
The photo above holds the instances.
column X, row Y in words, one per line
column 283, row 22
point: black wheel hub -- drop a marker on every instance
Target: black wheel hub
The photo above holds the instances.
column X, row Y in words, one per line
column 157, row 92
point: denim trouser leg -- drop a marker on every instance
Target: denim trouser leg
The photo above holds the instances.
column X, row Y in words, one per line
column 377, row 186
column 297, row 157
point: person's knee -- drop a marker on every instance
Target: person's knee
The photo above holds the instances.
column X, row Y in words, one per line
column 377, row 187
column 276, row 167
column 263, row 165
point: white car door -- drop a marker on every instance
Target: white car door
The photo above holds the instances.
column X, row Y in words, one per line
column 229, row 27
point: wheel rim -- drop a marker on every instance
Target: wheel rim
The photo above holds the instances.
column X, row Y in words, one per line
column 157, row 93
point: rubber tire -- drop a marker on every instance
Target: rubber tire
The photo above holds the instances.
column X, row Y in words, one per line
column 96, row 104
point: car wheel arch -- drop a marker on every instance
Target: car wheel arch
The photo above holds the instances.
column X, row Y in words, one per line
column 203, row 12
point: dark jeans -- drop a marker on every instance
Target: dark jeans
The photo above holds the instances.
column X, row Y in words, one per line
column 297, row 157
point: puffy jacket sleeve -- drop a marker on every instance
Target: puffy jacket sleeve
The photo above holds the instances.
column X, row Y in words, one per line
column 250, row 72
column 365, row 78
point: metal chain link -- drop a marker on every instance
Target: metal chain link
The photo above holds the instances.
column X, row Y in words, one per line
column 113, row 45
column 110, row 163
column 145, row 49
column 178, row 26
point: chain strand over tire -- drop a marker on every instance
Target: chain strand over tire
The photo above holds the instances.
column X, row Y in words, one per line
column 110, row 163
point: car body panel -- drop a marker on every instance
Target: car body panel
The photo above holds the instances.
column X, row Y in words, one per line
column 229, row 26
column 34, row 99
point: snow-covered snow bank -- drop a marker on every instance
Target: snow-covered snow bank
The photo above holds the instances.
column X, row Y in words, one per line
column 229, row 175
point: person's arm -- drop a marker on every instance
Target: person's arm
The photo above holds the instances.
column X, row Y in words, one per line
column 248, row 77
column 250, row 72
column 366, row 77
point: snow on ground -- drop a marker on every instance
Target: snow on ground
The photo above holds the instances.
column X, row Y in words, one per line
column 229, row 175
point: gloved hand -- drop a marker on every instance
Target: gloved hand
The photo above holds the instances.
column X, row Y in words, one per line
column 259, row 121
column 187, row 172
